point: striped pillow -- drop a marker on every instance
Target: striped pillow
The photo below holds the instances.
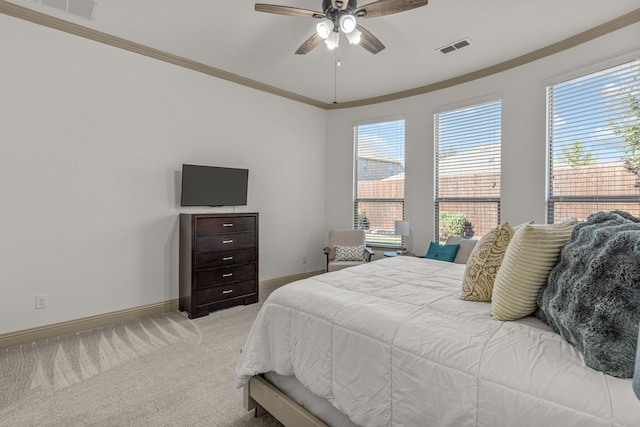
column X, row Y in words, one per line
column 349, row 253
column 530, row 256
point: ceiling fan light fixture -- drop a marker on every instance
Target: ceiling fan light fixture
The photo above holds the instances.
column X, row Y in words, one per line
column 332, row 40
column 347, row 23
column 325, row 28
column 336, row 16
column 354, row 36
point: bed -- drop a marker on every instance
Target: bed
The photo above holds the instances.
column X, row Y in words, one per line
column 390, row 343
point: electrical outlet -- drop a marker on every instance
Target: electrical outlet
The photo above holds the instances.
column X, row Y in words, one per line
column 42, row 301
column 304, row 259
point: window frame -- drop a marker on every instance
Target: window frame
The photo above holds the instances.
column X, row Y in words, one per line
column 368, row 168
column 583, row 76
column 436, row 144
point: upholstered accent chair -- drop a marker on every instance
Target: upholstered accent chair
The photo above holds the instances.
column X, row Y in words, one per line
column 347, row 248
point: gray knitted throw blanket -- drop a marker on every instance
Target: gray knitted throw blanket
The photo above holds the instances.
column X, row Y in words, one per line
column 592, row 295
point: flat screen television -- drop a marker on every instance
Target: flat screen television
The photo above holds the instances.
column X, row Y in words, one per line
column 213, row 186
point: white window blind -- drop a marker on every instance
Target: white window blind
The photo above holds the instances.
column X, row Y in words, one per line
column 593, row 134
column 467, row 170
column 379, row 180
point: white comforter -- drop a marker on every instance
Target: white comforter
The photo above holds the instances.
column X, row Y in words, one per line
column 390, row 343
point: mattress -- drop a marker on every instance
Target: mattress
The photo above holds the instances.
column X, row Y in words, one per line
column 390, row 343
column 318, row 406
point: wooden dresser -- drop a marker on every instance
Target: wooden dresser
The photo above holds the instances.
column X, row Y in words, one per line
column 218, row 261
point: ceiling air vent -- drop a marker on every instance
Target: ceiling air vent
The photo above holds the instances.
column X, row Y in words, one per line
column 455, row 46
column 82, row 8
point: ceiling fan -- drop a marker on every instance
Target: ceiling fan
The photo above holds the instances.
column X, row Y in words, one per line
column 340, row 15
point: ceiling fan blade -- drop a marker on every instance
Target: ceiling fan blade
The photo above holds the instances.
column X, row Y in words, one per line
column 308, row 45
column 369, row 41
column 388, row 7
column 289, row 11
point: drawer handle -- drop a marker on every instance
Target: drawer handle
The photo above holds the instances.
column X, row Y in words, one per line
column 227, row 258
column 227, row 275
column 227, row 292
column 227, row 225
column 227, row 241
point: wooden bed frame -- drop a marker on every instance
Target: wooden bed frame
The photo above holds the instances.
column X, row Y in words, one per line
column 262, row 396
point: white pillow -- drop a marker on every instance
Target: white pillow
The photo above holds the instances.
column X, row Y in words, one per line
column 349, row 253
column 530, row 256
column 466, row 247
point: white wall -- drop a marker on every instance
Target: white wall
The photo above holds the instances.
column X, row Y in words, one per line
column 92, row 139
column 523, row 137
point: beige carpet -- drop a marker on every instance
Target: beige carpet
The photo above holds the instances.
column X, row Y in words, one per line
column 163, row 370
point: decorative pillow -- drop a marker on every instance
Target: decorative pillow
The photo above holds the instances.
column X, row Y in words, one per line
column 484, row 263
column 466, row 246
column 592, row 296
column 529, row 258
column 349, row 253
column 442, row 252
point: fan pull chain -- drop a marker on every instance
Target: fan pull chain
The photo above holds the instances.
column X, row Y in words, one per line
column 336, row 64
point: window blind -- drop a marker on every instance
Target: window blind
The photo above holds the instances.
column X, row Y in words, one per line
column 593, row 134
column 467, row 170
column 379, row 180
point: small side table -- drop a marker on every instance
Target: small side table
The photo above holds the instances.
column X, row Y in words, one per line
column 395, row 253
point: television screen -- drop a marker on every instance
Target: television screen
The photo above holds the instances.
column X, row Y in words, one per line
column 213, row 186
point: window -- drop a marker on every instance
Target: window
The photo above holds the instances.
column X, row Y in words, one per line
column 467, row 172
column 593, row 134
column 379, row 180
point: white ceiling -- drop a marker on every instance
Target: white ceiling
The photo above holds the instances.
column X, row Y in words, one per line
column 231, row 36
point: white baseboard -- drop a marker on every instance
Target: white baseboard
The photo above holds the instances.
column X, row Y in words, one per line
column 77, row 325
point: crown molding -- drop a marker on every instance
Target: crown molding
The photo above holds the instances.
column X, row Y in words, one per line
column 45, row 20
column 39, row 18
column 591, row 34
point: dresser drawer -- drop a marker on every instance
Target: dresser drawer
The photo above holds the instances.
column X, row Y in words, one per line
column 219, row 293
column 208, row 226
column 222, row 259
column 218, row 276
column 225, row 242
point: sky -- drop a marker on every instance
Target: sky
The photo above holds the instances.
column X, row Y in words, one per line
column 584, row 107
column 582, row 110
column 386, row 137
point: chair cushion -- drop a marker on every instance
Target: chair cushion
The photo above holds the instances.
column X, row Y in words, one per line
column 339, row 265
column 349, row 253
column 442, row 252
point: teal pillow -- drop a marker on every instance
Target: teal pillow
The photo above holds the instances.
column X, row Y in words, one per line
column 442, row 252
